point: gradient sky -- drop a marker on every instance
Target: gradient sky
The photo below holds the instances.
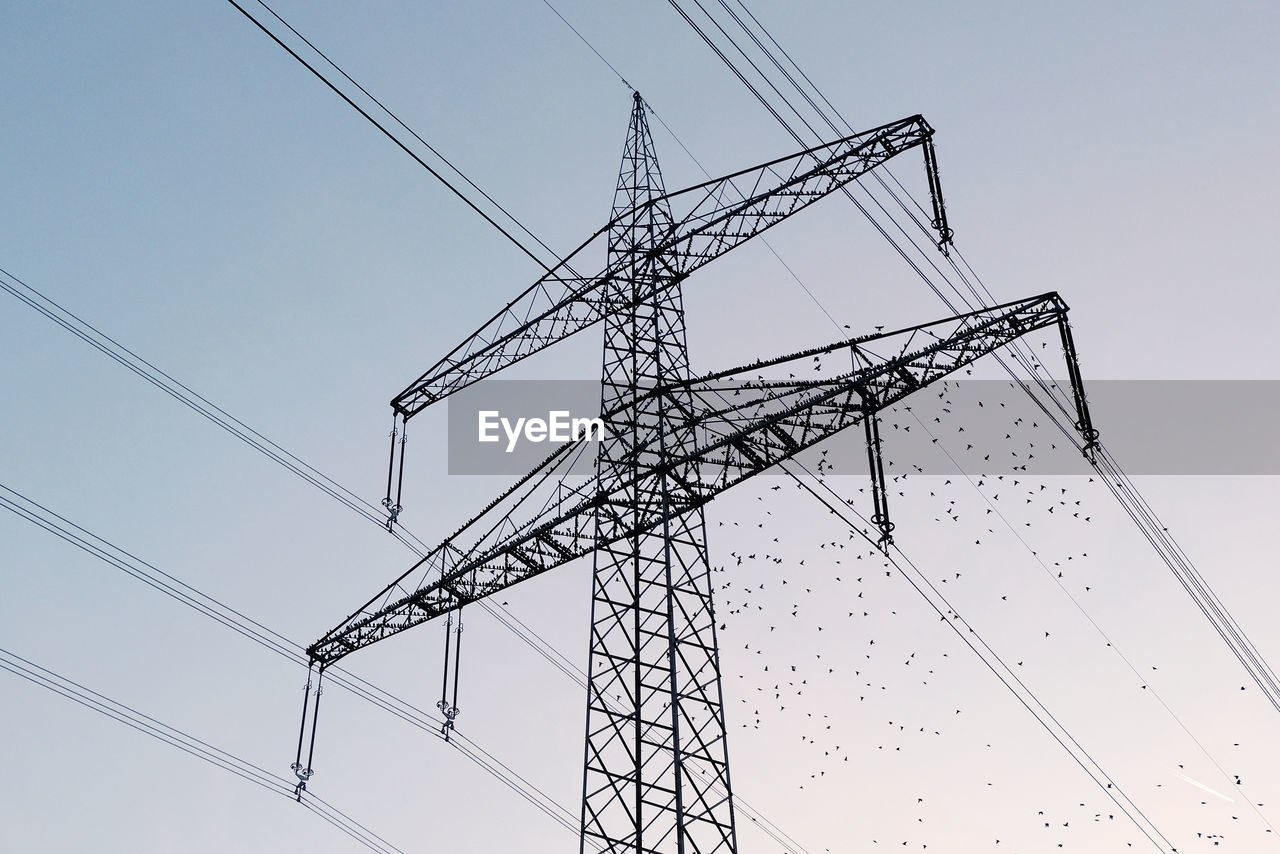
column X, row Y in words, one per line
column 173, row 177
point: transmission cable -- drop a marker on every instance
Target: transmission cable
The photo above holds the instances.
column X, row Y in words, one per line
column 188, row 744
column 590, row 47
column 387, row 133
column 147, row 371
column 252, row 630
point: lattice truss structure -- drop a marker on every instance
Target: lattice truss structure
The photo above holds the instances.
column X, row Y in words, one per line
column 656, row 777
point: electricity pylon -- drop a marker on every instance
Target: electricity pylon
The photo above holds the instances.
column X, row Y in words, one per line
column 656, row 776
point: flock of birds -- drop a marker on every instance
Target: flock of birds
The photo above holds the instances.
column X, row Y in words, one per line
column 822, row 640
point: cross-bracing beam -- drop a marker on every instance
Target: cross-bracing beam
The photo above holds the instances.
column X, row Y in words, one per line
column 744, row 423
column 561, row 303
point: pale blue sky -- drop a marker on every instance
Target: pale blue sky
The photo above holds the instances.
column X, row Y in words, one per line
column 173, row 177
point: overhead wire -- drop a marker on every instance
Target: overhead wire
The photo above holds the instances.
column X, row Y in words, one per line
column 1017, row 348
column 202, row 406
column 387, row 132
column 846, row 190
column 1195, row 585
column 490, row 199
column 260, row 634
column 147, row 371
column 589, row 45
column 1114, row 477
column 187, row 743
column 875, row 175
column 878, row 175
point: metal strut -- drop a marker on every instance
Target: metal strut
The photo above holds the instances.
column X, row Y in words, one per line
column 394, row 507
column 879, row 492
column 447, row 708
column 939, row 221
column 301, row 771
column 1084, row 423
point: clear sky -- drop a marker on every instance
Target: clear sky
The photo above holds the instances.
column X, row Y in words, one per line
column 176, row 179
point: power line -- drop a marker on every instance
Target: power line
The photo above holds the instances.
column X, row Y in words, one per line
column 189, row 744
column 589, row 45
column 387, row 133
column 183, row 394
column 258, row 633
column 741, row 77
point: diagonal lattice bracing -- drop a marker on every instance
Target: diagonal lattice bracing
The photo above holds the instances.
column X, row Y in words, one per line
column 709, row 224
column 737, row 424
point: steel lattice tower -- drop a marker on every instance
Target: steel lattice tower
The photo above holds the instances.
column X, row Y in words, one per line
column 657, row 774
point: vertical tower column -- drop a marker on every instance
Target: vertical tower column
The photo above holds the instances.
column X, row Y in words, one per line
column 656, row 775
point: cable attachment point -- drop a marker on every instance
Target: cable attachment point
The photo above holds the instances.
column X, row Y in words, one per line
column 886, row 532
column 304, row 774
column 1091, row 443
column 393, row 512
column 449, row 712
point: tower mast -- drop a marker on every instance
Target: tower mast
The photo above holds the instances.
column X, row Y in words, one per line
column 656, row 774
